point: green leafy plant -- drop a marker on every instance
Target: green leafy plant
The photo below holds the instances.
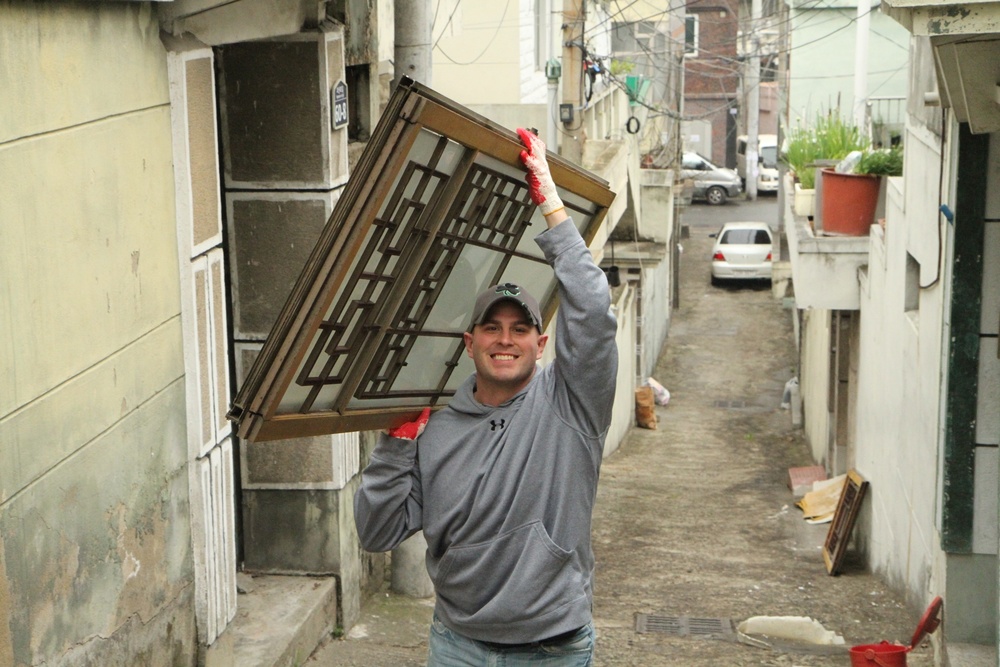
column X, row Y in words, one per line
column 831, row 137
column 621, row 67
column 802, row 152
column 881, row 162
column 837, row 137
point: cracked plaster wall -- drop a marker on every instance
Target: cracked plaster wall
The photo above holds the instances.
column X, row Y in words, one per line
column 95, row 545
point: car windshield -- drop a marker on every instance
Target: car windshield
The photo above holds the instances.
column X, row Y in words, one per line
column 745, row 237
column 694, row 162
column 769, row 157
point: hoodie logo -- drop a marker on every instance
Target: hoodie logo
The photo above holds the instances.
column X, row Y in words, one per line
column 494, row 425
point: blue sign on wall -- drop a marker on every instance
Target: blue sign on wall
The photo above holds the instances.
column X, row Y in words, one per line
column 339, row 95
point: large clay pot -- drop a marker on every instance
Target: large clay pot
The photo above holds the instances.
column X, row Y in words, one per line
column 849, row 203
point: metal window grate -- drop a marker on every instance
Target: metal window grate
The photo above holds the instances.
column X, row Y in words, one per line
column 684, row 626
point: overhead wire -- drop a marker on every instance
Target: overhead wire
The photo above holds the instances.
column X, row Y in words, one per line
column 485, row 48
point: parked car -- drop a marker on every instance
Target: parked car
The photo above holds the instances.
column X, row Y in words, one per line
column 711, row 183
column 767, row 161
column 742, row 251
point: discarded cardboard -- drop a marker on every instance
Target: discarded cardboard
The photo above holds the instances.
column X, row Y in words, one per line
column 819, row 504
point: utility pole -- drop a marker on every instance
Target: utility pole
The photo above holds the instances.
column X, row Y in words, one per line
column 412, row 46
column 862, row 30
column 572, row 143
column 412, row 58
column 784, row 119
column 752, row 80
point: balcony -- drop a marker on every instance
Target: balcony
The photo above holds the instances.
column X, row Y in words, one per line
column 824, row 268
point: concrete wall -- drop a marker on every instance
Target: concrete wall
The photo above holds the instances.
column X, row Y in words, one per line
column 623, row 416
column 814, row 380
column 897, row 413
column 821, row 83
column 478, row 53
column 899, row 444
column 95, row 545
column 282, row 181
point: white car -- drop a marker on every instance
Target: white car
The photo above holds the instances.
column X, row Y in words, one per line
column 742, row 251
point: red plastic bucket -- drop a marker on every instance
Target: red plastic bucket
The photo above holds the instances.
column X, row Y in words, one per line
column 885, row 654
column 879, row 655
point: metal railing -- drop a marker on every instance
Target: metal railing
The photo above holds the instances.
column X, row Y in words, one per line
column 886, row 118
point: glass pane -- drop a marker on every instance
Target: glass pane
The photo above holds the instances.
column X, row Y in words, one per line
column 464, row 369
column 769, row 156
column 426, row 365
column 473, row 272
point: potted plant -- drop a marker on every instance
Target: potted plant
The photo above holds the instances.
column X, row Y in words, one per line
column 850, row 199
column 827, row 141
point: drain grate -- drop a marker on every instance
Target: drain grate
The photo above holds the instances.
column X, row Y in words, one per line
column 684, row 626
column 731, row 405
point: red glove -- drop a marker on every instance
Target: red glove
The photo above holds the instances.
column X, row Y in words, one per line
column 411, row 430
column 540, row 183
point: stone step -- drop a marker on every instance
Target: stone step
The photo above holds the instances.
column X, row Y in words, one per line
column 280, row 620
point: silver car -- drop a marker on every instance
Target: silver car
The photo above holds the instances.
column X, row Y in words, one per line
column 742, row 251
column 711, row 183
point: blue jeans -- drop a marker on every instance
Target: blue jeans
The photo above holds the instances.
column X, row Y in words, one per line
column 450, row 649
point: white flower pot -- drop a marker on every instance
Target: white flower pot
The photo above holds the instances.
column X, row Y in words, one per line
column 804, row 201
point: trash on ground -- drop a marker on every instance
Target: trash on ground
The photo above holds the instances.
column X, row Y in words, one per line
column 758, row 629
column 786, row 396
column 660, row 392
column 820, row 504
column 645, row 410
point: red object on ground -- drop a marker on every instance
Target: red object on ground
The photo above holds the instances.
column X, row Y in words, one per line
column 885, row 654
column 805, row 476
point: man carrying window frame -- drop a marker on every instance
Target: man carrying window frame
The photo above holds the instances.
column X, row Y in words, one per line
column 503, row 480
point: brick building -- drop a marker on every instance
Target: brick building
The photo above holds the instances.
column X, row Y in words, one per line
column 712, row 72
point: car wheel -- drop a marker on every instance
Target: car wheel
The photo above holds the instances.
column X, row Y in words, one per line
column 716, row 195
column 715, row 281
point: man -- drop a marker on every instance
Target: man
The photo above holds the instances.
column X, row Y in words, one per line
column 503, row 480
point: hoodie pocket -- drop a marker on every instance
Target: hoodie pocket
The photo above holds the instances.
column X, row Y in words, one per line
column 520, row 575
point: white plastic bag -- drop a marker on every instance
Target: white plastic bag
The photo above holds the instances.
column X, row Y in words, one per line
column 660, row 393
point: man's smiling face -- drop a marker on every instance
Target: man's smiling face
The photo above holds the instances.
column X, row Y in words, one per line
column 504, row 349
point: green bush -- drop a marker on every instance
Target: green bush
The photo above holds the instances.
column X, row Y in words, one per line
column 829, row 138
column 881, row 162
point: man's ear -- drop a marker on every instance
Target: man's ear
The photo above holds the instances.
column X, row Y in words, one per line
column 542, row 340
column 467, row 337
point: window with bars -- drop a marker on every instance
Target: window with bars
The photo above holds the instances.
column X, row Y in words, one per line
column 436, row 211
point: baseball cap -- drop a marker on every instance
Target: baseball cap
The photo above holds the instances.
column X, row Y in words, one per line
column 506, row 292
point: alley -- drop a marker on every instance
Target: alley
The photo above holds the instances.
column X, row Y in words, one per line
column 694, row 519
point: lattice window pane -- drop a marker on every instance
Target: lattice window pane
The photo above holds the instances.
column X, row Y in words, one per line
column 436, row 211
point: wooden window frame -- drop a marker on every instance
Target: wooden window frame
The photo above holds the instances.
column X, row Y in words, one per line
column 334, row 359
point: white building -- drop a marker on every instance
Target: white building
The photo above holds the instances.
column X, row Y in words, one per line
column 899, row 363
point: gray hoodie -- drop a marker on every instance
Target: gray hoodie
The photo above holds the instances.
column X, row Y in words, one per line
column 505, row 494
